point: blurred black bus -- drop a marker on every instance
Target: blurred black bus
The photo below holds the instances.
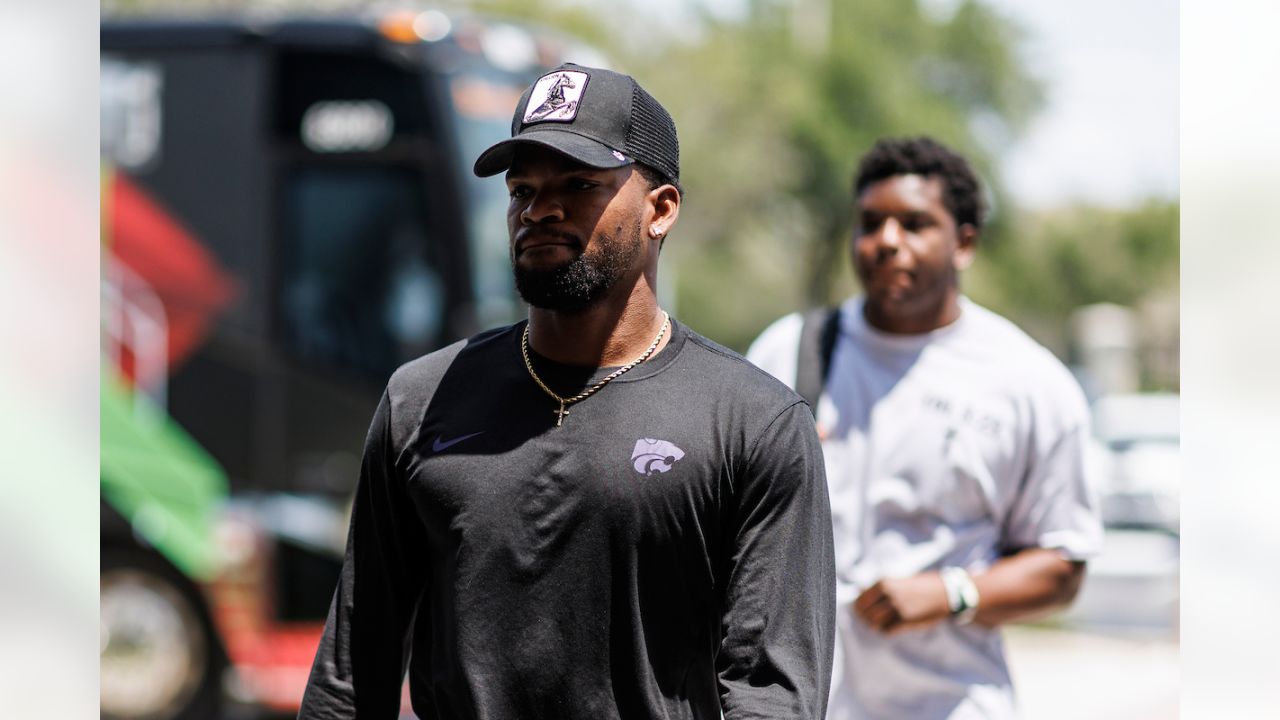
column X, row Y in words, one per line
column 288, row 215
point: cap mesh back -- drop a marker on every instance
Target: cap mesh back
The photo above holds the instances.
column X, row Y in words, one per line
column 652, row 137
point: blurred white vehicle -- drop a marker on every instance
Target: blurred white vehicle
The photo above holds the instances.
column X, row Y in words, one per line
column 1140, row 475
column 1132, row 586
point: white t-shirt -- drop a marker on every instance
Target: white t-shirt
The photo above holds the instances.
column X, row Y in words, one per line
column 945, row 448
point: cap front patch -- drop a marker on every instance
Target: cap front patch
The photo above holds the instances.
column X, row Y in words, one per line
column 555, row 97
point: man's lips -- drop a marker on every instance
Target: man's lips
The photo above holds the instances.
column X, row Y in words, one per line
column 532, row 241
column 889, row 280
column 893, row 275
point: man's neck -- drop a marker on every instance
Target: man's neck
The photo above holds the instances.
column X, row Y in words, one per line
column 607, row 334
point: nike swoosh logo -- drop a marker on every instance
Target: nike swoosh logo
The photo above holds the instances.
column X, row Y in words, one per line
column 440, row 444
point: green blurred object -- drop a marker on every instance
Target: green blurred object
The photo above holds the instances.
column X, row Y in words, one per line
column 159, row 478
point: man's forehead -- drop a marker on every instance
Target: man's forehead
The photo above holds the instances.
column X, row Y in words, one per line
column 910, row 189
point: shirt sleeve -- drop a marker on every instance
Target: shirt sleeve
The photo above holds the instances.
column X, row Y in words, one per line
column 360, row 664
column 1057, row 504
column 778, row 623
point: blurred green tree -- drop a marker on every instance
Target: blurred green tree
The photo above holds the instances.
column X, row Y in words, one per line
column 1067, row 257
column 774, row 110
column 775, row 106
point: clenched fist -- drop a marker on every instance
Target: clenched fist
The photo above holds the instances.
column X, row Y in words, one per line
column 895, row 604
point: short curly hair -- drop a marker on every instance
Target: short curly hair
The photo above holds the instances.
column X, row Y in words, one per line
column 961, row 192
column 655, row 178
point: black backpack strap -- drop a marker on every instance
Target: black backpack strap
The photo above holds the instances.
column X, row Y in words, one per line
column 813, row 359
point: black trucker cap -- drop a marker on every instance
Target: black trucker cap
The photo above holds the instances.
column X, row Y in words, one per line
column 600, row 118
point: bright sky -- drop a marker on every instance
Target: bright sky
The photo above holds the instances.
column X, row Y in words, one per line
column 1109, row 131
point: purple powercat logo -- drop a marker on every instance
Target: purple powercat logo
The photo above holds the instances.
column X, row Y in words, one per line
column 654, row 456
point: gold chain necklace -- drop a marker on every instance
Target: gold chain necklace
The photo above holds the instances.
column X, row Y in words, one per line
column 564, row 402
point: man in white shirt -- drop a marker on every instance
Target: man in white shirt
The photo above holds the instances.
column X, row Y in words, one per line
column 954, row 448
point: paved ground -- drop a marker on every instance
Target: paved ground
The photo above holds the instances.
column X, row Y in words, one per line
column 1064, row 674
column 1068, row 675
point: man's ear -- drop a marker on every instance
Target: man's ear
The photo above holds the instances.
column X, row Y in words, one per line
column 665, row 203
column 966, row 246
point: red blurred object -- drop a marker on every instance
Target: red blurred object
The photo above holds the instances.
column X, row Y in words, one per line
column 189, row 282
column 272, row 659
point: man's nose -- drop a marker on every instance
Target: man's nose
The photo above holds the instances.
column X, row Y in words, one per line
column 542, row 206
column 888, row 237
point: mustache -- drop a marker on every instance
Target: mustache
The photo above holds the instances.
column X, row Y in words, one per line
column 528, row 236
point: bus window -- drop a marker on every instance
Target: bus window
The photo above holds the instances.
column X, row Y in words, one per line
column 361, row 289
column 483, row 110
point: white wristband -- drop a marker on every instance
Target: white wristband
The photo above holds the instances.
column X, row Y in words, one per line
column 962, row 594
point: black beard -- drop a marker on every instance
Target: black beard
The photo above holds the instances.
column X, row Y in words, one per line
column 583, row 281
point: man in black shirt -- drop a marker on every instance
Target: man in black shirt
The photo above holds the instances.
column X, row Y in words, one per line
column 597, row 513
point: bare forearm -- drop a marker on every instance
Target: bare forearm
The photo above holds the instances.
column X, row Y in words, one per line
column 1029, row 583
column 1017, row 587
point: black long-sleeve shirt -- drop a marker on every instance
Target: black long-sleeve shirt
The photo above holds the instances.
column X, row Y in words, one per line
column 666, row 553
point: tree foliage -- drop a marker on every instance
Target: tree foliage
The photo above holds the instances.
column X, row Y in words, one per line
column 1068, row 257
column 774, row 111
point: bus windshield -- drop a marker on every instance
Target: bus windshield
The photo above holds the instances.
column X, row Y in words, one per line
column 483, row 100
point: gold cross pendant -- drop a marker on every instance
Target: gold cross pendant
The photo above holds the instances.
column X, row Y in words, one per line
column 561, row 413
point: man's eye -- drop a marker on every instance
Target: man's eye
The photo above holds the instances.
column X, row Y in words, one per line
column 519, row 191
column 915, row 223
column 580, row 184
